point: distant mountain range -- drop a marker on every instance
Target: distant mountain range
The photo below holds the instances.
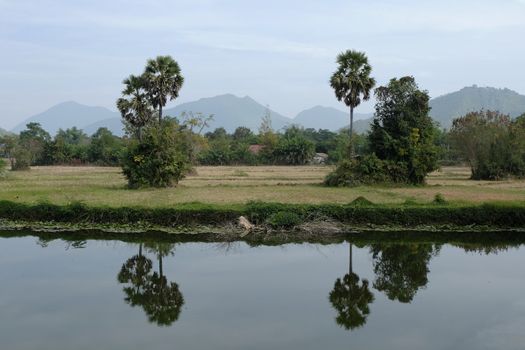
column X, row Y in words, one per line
column 231, row 111
column 3, row 132
column 469, row 99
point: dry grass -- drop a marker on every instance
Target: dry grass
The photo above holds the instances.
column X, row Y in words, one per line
column 228, row 185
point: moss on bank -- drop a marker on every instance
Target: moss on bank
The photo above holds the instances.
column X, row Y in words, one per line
column 206, row 215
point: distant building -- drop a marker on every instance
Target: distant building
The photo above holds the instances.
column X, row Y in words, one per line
column 320, row 158
column 255, row 149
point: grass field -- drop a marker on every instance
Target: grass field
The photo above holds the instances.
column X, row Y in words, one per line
column 240, row 184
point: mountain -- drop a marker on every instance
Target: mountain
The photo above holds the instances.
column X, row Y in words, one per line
column 3, row 132
column 447, row 107
column 320, row 117
column 66, row 115
column 231, row 112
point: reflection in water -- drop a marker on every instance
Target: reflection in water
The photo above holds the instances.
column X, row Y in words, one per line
column 351, row 299
column 161, row 300
column 401, row 269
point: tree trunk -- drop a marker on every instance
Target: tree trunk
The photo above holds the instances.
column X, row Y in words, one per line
column 160, row 265
column 160, row 113
column 351, row 132
column 350, row 267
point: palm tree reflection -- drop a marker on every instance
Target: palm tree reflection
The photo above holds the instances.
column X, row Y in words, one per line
column 160, row 299
column 351, row 297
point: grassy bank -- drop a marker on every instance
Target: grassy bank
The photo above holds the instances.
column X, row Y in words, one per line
column 270, row 215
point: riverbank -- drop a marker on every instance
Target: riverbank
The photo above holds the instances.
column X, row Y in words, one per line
column 301, row 220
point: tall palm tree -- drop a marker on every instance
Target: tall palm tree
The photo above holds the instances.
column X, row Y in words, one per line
column 134, row 106
column 352, row 82
column 163, row 81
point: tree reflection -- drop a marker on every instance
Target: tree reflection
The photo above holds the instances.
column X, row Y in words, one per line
column 401, row 269
column 160, row 299
column 351, row 297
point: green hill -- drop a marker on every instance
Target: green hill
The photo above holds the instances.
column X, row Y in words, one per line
column 447, row 107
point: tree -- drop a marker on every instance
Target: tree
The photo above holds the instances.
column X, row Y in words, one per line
column 401, row 269
column 491, row 143
column 293, row 148
column 160, row 159
column 163, row 81
column 352, row 82
column 402, row 133
column 243, row 134
column 161, row 300
column 34, row 140
column 351, row 298
column 105, row 148
column 134, row 106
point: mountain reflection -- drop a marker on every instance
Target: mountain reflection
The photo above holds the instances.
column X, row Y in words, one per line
column 160, row 299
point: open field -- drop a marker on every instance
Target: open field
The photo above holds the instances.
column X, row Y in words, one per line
column 232, row 185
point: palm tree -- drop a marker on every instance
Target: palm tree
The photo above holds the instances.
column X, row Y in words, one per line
column 352, row 82
column 163, row 81
column 134, row 105
column 351, row 299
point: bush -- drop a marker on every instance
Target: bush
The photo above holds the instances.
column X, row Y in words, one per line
column 3, row 166
column 159, row 160
column 355, row 172
column 284, row 219
column 22, row 158
column 439, row 199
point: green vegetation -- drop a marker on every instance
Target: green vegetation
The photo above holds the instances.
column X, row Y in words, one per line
column 276, row 214
column 492, row 143
column 352, row 82
column 401, row 141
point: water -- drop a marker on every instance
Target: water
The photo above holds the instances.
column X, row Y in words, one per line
column 78, row 295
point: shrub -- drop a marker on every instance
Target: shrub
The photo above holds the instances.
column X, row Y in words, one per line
column 361, row 201
column 284, row 219
column 159, row 159
column 439, row 199
column 22, row 158
column 3, row 165
column 355, row 172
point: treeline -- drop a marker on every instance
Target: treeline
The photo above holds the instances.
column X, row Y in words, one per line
column 292, row 146
column 35, row 146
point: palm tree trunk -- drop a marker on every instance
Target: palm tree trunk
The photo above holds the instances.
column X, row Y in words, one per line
column 350, row 267
column 160, row 265
column 160, row 113
column 351, row 131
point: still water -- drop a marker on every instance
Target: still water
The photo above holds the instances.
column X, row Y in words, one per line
column 117, row 295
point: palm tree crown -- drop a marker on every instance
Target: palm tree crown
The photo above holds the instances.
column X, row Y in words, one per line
column 351, row 81
column 163, row 81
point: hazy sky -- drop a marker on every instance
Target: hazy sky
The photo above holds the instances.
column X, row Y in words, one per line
column 280, row 53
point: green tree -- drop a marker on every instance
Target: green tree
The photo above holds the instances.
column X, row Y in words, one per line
column 352, row 82
column 134, row 106
column 293, row 148
column 351, row 297
column 105, row 148
column 491, row 143
column 163, row 80
column 402, row 133
column 34, row 140
column 160, row 159
column 401, row 269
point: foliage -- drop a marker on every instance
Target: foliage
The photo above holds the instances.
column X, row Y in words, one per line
column 22, row 159
column 401, row 270
column 163, row 80
column 284, row 219
column 352, row 82
column 159, row 160
column 34, row 140
column 134, row 106
column 401, row 140
column 351, row 299
column 3, row 165
column 491, row 143
column 105, row 148
column 293, row 148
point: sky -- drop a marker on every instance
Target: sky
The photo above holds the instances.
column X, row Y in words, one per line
column 281, row 53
